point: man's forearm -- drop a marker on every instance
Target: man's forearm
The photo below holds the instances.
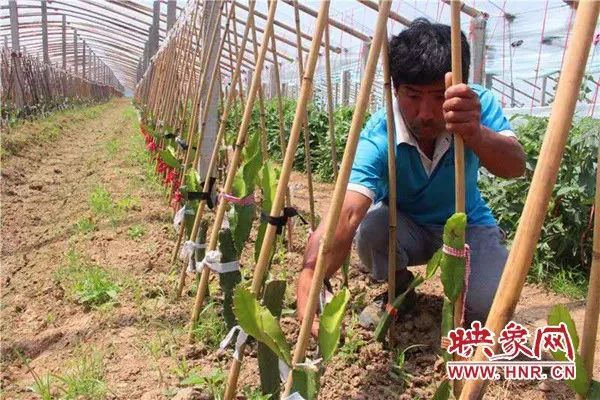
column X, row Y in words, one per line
column 336, row 258
column 502, row 155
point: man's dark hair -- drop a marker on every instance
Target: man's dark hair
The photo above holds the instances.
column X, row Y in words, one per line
column 421, row 54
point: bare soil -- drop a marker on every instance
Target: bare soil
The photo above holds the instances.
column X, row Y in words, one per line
column 141, row 338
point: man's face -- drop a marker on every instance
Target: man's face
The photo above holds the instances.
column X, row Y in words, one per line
column 421, row 106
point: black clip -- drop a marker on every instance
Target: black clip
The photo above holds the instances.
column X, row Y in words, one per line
column 207, row 196
column 282, row 220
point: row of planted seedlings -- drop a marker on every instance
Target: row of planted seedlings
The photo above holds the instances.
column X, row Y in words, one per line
column 254, row 311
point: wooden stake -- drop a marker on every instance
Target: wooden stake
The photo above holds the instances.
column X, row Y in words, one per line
column 242, row 134
column 587, row 347
column 288, row 197
column 261, row 101
column 392, row 209
column 459, row 151
column 307, row 158
column 330, row 105
column 544, row 178
column 340, row 188
column 288, row 161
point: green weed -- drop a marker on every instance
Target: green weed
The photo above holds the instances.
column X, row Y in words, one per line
column 88, row 284
column 85, row 226
column 101, row 202
column 251, row 393
column 398, row 370
column 136, row 232
column 353, row 341
column 213, row 382
column 210, row 327
column 84, row 378
column 112, row 147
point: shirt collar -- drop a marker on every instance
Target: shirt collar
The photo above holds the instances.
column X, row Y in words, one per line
column 403, row 135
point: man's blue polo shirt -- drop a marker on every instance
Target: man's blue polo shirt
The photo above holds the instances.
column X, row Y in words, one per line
column 425, row 188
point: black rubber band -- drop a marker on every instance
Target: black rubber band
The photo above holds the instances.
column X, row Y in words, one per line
column 202, row 195
column 183, row 144
column 282, row 220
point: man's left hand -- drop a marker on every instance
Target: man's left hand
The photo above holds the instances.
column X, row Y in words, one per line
column 462, row 111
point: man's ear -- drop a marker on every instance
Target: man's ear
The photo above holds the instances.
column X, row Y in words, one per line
column 448, row 79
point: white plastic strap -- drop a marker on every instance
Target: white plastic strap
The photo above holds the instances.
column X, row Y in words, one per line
column 179, row 216
column 178, row 219
column 284, row 370
column 295, row 396
column 187, row 254
column 212, row 260
column 324, row 297
column 239, row 342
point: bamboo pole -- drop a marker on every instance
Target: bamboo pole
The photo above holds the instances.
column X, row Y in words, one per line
column 233, row 166
column 244, row 40
column 288, row 197
column 392, row 209
column 459, row 154
column 544, row 178
column 192, row 75
column 261, row 101
column 307, row 158
column 587, row 345
column 330, row 105
column 341, row 184
column 288, row 161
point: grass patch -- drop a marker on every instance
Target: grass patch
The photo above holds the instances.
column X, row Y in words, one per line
column 353, row 342
column 84, row 378
column 86, row 283
column 210, row 327
column 112, row 147
column 43, row 129
column 570, row 283
column 85, row 226
column 103, row 205
column 213, row 382
column 136, row 232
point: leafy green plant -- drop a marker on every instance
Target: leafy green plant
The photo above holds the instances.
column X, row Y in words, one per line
column 255, row 394
column 88, row 284
column 85, row 226
column 398, row 367
column 213, row 382
column 582, row 385
column 210, row 328
column 84, row 378
column 136, row 232
column 353, row 341
column 563, row 253
column 258, row 321
column 318, row 129
column 101, row 202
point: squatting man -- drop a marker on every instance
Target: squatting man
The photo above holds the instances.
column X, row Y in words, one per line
column 427, row 107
